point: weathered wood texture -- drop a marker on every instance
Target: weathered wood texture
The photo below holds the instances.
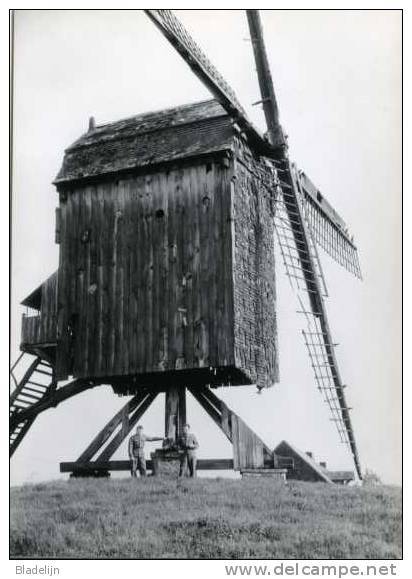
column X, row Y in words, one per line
column 144, row 270
column 175, row 411
column 42, row 328
column 123, row 422
column 166, row 271
column 256, row 348
column 249, row 451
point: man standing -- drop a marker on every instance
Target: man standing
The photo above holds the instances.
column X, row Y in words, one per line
column 188, row 443
column 136, row 450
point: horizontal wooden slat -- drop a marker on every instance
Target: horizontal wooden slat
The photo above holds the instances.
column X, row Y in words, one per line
column 121, row 465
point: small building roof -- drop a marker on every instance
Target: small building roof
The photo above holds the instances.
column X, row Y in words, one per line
column 33, row 300
column 286, row 449
column 148, row 139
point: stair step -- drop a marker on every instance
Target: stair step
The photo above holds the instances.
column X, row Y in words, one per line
column 40, row 393
column 43, row 372
column 37, row 384
column 27, row 398
column 21, row 404
column 30, row 393
column 44, row 363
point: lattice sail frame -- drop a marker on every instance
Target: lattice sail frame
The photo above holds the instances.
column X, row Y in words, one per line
column 304, row 271
column 330, row 234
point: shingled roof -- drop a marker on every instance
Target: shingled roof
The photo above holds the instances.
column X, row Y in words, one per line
column 148, row 139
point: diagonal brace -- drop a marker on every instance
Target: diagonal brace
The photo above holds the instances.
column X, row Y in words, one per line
column 110, row 427
column 127, row 423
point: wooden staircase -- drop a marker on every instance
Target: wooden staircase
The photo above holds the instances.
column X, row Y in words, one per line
column 36, row 384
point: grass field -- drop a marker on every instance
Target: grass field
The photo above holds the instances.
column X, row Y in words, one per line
column 204, row 518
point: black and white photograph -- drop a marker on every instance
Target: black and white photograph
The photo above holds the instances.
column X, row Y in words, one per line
column 206, row 287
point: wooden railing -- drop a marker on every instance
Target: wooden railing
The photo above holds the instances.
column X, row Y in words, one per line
column 35, row 331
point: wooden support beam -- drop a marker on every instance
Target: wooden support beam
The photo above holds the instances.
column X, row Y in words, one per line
column 171, row 413
column 110, row 427
column 249, row 451
column 175, row 411
column 125, row 465
column 199, row 395
column 213, row 399
column 181, row 417
column 127, row 424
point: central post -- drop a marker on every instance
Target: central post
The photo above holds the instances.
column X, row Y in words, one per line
column 175, row 412
column 167, row 460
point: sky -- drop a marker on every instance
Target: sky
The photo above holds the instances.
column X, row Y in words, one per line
column 337, row 76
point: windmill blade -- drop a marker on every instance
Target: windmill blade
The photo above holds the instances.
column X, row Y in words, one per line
column 328, row 228
column 193, row 55
column 305, row 275
column 269, row 103
column 300, row 258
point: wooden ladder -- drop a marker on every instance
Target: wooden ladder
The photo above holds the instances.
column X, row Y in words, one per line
column 36, row 384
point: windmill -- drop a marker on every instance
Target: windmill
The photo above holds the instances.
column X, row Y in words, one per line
column 148, row 207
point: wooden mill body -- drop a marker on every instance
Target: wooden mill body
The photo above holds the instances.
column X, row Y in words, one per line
column 166, row 277
column 166, row 272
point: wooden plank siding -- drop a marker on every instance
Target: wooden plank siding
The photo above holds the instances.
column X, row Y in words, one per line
column 38, row 329
column 145, row 274
column 166, row 265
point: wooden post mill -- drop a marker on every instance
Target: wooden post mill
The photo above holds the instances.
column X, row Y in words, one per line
column 166, row 224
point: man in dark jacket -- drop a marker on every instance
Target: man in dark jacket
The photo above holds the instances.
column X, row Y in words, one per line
column 136, row 450
column 188, row 443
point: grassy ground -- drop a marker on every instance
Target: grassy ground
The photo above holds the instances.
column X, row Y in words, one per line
column 204, row 518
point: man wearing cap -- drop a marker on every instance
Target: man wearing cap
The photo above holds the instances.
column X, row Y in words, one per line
column 188, row 443
column 136, row 450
